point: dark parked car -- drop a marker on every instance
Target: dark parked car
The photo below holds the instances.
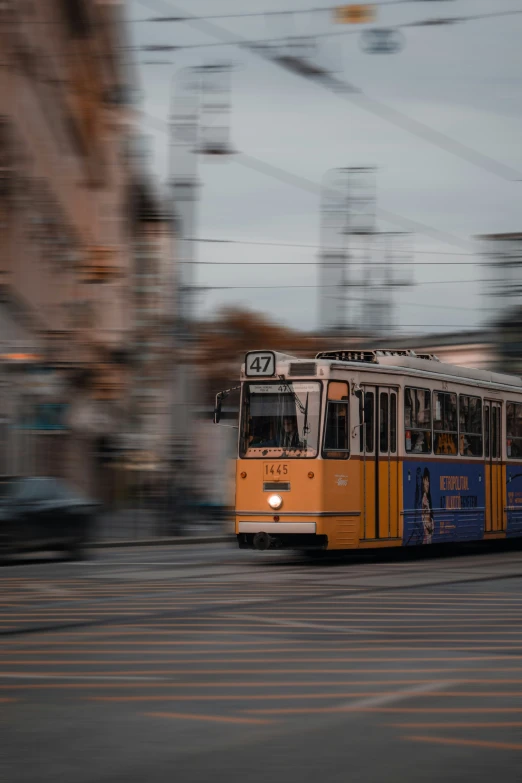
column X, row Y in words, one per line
column 43, row 514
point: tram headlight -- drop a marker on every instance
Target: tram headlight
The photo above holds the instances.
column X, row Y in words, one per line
column 275, row 501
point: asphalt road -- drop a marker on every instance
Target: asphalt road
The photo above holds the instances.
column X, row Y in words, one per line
column 205, row 663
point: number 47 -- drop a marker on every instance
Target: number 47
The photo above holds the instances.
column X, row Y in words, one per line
column 256, row 364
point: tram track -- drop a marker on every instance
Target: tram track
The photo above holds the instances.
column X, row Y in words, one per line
column 215, row 607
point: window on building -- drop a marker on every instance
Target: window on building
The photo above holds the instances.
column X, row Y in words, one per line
column 470, row 426
column 417, row 420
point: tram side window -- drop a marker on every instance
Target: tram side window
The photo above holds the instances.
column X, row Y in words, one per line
column 336, row 433
column 495, row 432
column 417, row 420
column 445, row 423
column 470, row 426
column 369, row 414
column 486, row 430
column 514, row 430
column 367, row 429
column 383, row 422
column 393, row 423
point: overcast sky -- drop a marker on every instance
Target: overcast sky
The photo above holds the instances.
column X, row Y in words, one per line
column 462, row 80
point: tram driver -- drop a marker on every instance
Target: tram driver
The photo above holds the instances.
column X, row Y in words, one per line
column 290, row 434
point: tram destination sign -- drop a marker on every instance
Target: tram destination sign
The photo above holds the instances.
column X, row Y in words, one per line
column 284, row 388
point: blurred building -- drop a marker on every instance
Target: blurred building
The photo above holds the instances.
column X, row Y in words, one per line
column 66, row 238
column 503, row 297
column 144, row 449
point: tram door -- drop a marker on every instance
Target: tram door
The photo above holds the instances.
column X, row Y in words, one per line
column 380, row 467
column 494, row 512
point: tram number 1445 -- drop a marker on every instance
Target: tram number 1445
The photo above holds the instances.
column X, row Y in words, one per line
column 275, row 469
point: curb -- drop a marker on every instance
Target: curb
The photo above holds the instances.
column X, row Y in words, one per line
column 169, row 541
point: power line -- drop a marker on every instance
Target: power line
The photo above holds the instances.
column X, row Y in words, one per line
column 204, row 288
column 332, row 264
column 332, row 34
column 316, row 247
column 309, row 186
column 312, row 187
column 352, row 93
column 433, row 22
column 284, row 12
column 305, row 245
column 181, row 17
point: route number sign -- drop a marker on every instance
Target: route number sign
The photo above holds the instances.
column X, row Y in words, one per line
column 259, row 364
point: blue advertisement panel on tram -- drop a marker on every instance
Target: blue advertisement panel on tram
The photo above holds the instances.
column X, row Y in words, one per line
column 443, row 502
column 514, row 499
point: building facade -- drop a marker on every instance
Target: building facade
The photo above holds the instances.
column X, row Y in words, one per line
column 66, row 239
column 503, row 297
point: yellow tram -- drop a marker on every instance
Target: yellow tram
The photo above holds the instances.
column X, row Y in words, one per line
column 379, row 448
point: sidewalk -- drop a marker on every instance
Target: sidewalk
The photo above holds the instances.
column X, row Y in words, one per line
column 131, row 527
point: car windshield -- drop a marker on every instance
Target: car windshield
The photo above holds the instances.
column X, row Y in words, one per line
column 36, row 488
column 280, row 419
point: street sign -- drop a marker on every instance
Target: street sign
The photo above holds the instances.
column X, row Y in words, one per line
column 359, row 13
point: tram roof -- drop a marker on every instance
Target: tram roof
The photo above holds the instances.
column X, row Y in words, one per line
column 396, row 361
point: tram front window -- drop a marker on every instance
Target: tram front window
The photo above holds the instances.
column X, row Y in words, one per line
column 280, row 420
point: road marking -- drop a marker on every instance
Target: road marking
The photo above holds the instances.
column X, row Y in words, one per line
column 161, row 681
column 377, row 700
column 459, row 725
column 235, row 672
column 298, row 624
column 371, row 698
column 211, row 718
column 413, row 710
column 233, row 655
column 371, row 702
column 467, row 742
column 39, row 676
column 219, row 648
column 45, row 588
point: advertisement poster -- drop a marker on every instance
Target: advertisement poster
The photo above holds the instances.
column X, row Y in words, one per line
column 514, row 500
column 443, row 502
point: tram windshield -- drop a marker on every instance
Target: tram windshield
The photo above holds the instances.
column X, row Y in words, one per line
column 280, row 420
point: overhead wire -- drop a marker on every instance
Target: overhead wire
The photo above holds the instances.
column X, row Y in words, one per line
column 352, row 298
column 433, row 22
column 283, row 12
column 243, row 14
column 251, row 162
column 309, row 246
column 351, row 92
column 330, row 265
column 315, row 188
column 287, row 177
